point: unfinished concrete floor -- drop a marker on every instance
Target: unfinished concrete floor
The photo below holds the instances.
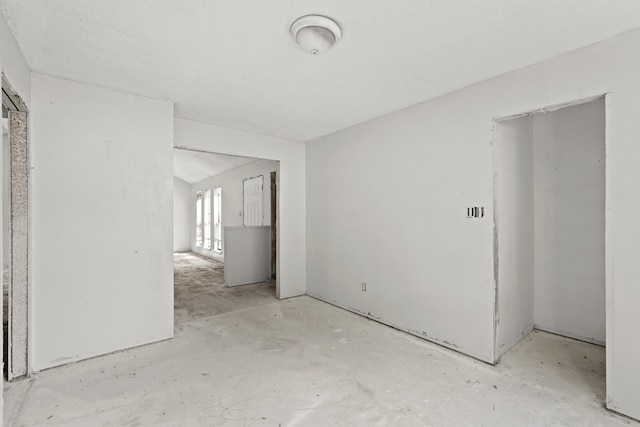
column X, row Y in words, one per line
column 5, row 318
column 199, row 289
column 302, row 362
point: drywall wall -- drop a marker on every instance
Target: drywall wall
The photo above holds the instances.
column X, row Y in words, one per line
column 102, row 221
column 233, row 198
column 181, row 215
column 13, row 64
column 6, row 243
column 248, row 255
column 569, row 201
column 4, row 225
column 4, row 248
column 291, row 197
column 386, row 204
column 515, row 230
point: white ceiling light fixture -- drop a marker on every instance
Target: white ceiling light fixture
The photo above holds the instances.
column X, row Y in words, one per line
column 316, row 34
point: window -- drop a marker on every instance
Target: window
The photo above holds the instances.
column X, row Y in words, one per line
column 207, row 219
column 199, row 228
column 217, row 219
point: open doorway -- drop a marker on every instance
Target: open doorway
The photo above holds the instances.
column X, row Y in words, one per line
column 15, row 232
column 222, row 261
column 549, row 213
column 6, row 236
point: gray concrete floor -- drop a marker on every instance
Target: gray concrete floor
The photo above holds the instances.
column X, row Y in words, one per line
column 199, row 289
column 302, row 362
column 5, row 317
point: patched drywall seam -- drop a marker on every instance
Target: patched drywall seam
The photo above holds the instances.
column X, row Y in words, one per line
column 19, row 241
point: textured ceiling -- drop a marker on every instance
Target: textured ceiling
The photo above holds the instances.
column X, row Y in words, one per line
column 234, row 63
column 194, row 166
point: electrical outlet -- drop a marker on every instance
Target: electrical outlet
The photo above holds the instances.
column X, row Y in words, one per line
column 364, row 287
column 475, row 212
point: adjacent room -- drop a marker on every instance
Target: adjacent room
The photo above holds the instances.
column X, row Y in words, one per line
column 320, row 213
column 224, row 233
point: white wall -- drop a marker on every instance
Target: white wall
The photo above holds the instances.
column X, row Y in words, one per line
column 569, row 160
column 102, row 221
column 291, row 154
column 13, row 64
column 386, row 203
column 6, row 168
column 515, row 227
column 248, row 255
column 4, row 247
column 233, row 198
column 181, row 215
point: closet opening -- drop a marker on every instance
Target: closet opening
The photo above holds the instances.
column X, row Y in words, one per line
column 549, row 216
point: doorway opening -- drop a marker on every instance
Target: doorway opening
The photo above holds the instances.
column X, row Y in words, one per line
column 224, row 233
column 549, row 241
column 6, row 236
column 15, row 232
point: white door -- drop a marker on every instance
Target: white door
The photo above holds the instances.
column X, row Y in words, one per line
column 253, row 200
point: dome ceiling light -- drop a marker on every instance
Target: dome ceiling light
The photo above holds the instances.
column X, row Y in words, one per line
column 315, row 34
